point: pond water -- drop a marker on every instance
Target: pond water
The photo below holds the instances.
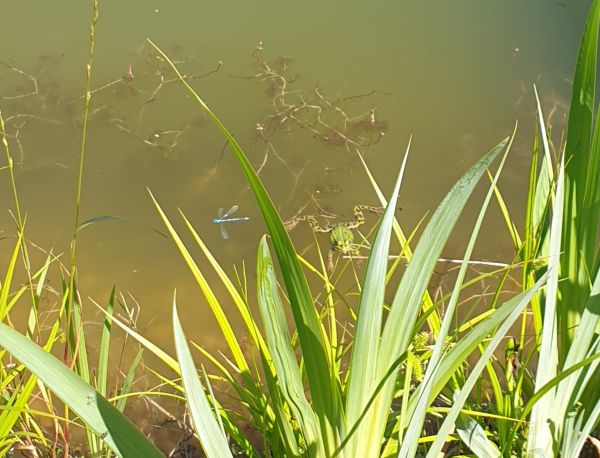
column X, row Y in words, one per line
column 301, row 85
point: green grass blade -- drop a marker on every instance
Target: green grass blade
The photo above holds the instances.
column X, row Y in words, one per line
column 128, row 382
column 283, row 426
column 282, row 352
column 569, row 392
column 415, row 422
column 322, row 379
column 362, row 378
column 231, row 289
column 581, row 109
column 580, row 230
column 154, row 349
column 105, row 345
column 433, row 317
column 100, row 219
column 102, row 417
column 7, row 283
column 460, row 351
column 398, row 330
column 449, row 421
column 211, row 298
column 579, row 440
column 552, row 384
column 510, row 225
column 207, row 428
column 257, row 400
column 474, row 437
column 541, row 437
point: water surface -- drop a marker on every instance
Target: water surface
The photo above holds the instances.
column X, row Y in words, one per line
column 454, row 75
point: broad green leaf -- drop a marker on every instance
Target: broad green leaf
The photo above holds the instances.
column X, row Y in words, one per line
column 98, row 414
column 211, row 436
column 415, row 422
column 580, row 226
column 287, row 372
column 365, row 349
column 398, row 330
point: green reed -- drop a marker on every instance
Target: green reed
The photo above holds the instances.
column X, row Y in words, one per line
column 314, row 391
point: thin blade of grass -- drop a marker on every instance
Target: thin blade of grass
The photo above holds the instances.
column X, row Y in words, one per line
column 461, row 397
column 207, row 428
column 211, row 298
column 157, row 351
column 541, row 436
column 105, row 345
column 233, row 292
column 434, row 319
column 128, row 382
column 7, row 283
column 100, row 219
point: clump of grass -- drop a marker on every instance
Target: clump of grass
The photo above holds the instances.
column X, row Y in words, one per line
column 379, row 390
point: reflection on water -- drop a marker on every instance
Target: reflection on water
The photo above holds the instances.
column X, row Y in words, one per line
column 303, row 87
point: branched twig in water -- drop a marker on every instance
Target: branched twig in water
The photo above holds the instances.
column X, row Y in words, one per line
column 358, row 131
column 161, row 139
column 33, row 79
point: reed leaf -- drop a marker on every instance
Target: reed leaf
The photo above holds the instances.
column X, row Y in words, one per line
column 582, row 194
column 288, row 375
column 540, row 437
column 415, row 422
column 399, row 328
column 210, row 433
column 99, row 415
column 365, row 349
column 519, row 303
column 322, row 380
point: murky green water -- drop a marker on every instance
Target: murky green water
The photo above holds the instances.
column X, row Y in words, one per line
column 455, row 75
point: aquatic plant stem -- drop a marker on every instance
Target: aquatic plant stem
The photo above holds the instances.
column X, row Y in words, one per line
column 86, row 108
column 75, row 344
